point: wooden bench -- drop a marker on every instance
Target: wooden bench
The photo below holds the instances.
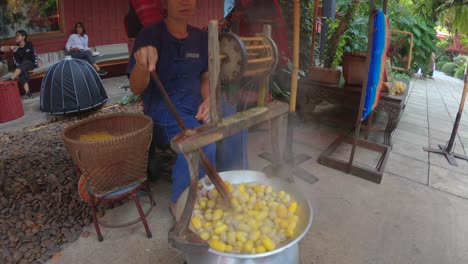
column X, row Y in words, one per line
column 109, row 55
column 313, row 93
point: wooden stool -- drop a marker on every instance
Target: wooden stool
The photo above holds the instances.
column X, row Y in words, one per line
column 11, row 106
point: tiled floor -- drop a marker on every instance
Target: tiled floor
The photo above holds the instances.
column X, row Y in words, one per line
column 416, row 215
column 428, row 121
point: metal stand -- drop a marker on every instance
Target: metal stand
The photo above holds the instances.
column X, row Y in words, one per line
column 289, row 165
column 448, row 149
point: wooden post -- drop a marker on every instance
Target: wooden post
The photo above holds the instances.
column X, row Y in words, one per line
column 295, row 71
column 369, row 125
column 459, row 114
column 214, row 71
column 265, row 83
column 183, row 223
column 364, row 85
column 448, row 150
column 288, row 154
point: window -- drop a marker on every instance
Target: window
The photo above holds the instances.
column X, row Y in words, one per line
column 40, row 18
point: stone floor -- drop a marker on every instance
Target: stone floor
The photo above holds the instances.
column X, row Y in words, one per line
column 428, row 121
column 416, row 215
column 33, row 116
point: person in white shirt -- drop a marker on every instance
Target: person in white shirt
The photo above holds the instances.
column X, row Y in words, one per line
column 77, row 47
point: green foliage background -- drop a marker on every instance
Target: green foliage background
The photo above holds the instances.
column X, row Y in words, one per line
column 449, row 68
column 307, row 10
column 424, row 38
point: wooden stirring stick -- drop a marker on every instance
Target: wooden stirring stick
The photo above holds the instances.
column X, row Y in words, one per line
column 205, row 162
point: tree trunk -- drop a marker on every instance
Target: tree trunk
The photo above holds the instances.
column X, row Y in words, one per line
column 314, row 33
column 335, row 38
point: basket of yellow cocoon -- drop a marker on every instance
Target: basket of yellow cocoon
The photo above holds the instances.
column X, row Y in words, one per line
column 111, row 150
column 268, row 218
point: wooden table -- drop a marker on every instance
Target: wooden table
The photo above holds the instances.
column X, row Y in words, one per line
column 314, row 93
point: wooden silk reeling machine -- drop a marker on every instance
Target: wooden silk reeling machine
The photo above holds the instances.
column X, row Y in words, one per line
column 230, row 58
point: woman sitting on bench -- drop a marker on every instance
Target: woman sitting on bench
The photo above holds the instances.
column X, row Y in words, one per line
column 77, row 47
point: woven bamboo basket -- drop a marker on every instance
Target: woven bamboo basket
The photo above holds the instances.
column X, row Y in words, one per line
column 114, row 163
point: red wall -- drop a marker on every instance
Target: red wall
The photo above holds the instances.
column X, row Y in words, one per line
column 104, row 21
column 207, row 10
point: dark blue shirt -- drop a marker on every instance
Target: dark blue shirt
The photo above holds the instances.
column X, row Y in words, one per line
column 181, row 62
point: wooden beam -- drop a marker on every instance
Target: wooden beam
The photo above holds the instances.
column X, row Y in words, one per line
column 214, row 70
column 295, row 72
column 364, row 85
column 193, row 139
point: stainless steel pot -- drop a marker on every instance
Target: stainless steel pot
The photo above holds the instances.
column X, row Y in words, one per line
column 287, row 252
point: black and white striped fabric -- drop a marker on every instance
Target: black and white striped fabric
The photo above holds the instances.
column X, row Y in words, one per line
column 71, row 86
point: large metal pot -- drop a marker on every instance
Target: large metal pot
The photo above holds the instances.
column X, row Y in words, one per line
column 287, row 252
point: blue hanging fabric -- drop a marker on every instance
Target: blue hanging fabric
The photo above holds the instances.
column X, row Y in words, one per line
column 375, row 69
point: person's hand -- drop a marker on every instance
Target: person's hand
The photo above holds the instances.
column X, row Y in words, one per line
column 146, row 58
column 203, row 113
column 75, row 49
column 13, row 48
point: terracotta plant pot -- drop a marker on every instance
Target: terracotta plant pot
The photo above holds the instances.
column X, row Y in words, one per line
column 324, row 75
column 354, row 68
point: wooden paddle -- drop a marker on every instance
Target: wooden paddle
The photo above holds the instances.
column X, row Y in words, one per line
column 205, row 162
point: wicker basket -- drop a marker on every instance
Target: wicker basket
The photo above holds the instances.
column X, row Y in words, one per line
column 324, row 75
column 114, row 163
column 11, row 106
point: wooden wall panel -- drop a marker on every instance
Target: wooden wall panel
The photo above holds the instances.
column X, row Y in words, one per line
column 104, row 21
column 207, row 10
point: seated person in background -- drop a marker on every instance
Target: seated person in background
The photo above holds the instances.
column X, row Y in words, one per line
column 4, row 66
column 77, row 46
column 24, row 58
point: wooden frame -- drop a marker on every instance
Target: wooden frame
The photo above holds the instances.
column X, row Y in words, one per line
column 393, row 53
column 189, row 141
column 45, row 35
column 368, row 173
column 373, row 174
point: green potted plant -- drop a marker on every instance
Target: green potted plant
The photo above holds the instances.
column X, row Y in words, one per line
column 337, row 39
column 355, row 51
column 321, row 74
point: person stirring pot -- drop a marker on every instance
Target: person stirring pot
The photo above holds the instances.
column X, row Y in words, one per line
column 178, row 52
